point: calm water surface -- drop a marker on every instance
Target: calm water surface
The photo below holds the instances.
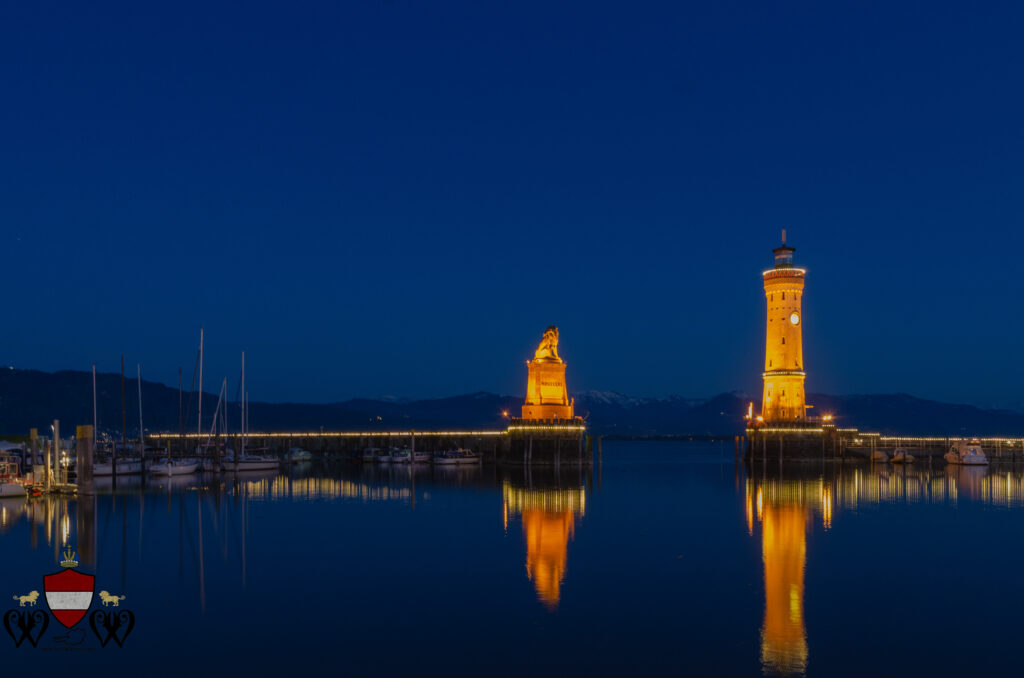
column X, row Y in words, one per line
column 669, row 558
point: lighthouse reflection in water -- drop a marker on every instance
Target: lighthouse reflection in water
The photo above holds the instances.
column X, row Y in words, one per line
column 672, row 552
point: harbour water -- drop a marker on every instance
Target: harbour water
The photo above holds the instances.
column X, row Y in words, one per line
column 668, row 558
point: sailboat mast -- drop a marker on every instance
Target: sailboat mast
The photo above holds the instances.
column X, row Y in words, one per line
column 142, row 436
column 124, row 427
column 200, row 426
column 94, row 407
column 243, row 404
column 181, row 425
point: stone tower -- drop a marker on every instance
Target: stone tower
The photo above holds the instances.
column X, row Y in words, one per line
column 784, row 352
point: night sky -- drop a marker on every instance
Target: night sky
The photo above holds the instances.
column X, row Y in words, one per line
column 396, row 198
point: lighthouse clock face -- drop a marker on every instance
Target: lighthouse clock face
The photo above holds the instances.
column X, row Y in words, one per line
column 795, row 319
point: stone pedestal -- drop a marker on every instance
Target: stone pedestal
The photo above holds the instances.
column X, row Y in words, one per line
column 546, row 394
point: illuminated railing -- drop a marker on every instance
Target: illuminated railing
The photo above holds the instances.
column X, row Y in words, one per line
column 335, row 434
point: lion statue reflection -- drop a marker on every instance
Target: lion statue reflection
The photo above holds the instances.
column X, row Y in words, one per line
column 548, row 349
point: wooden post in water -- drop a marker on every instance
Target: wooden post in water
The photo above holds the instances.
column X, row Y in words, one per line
column 55, row 447
column 33, row 441
column 83, row 465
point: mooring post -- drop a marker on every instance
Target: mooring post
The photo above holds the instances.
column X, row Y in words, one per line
column 33, row 436
column 83, row 465
column 55, row 447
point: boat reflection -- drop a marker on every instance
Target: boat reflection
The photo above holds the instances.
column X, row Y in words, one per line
column 548, row 511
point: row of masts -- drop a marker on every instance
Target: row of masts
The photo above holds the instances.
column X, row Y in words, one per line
column 219, row 416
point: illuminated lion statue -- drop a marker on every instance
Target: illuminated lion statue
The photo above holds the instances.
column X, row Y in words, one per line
column 548, row 349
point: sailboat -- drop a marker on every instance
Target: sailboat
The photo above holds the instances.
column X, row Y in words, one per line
column 243, row 461
column 125, row 467
column 172, row 467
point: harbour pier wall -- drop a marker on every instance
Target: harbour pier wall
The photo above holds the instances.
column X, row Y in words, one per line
column 816, row 442
column 525, row 441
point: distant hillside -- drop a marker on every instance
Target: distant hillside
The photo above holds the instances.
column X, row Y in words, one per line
column 30, row 398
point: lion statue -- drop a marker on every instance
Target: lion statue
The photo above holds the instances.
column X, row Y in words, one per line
column 548, row 349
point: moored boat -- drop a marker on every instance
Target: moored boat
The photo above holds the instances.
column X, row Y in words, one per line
column 966, row 452
column 251, row 463
column 401, row 457
column 370, row 454
column 173, row 467
column 448, row 457
column 11, row 483
column 901, row 456
column 298, row 455
column 125, row 467
column 459, row 456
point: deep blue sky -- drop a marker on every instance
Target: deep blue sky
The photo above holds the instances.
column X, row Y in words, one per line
column 394, row 198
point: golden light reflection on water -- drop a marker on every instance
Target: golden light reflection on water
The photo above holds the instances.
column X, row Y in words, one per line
column 784, row 508
column 783, row 517
column 549, row 521
column 314, row 488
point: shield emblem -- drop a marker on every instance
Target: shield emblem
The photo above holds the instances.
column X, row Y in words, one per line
column 69, row 595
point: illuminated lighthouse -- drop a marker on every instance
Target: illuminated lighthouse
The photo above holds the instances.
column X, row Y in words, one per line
column 784, row 353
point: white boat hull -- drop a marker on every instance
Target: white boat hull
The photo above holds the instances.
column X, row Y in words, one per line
column 124, row 468
column 174, row 469
column 953, row 458
column 251, row 465
column 12, row 490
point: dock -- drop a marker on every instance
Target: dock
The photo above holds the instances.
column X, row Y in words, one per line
column 524, row 441
column 813, row 441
